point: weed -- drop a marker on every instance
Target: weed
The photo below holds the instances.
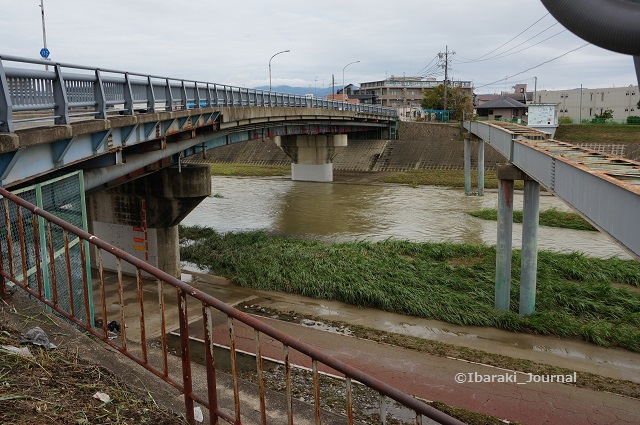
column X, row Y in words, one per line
column 443, row 281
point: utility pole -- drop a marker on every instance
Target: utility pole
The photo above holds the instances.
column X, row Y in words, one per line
column 446, row 73
column 535, row 90
column 333, row 87
column 580, row 104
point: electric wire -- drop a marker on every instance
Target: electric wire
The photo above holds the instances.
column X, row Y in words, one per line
column 534, row 67
column 501, row 46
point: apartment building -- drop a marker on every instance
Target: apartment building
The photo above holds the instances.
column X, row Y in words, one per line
column 405, row 93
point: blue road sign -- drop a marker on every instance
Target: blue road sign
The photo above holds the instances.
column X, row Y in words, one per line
column 44, row 52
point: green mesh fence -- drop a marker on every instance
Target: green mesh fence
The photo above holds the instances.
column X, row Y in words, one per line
column 61, row 279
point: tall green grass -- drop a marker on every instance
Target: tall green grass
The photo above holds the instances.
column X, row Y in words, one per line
column 449, row 282
column 248, row 170
column 446, row 178
column 551, row 218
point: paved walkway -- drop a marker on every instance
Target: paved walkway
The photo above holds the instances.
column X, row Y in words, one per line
column 434, row 378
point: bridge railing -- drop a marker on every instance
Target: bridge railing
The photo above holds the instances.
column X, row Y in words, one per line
column 70, row 91
column 145, row 321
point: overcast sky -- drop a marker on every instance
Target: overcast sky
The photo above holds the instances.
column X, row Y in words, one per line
column 231, row 42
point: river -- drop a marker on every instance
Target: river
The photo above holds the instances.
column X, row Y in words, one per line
column 347, row 212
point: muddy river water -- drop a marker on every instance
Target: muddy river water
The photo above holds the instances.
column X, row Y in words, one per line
column 348, row 212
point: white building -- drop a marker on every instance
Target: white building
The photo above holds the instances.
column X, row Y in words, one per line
column 585, row 104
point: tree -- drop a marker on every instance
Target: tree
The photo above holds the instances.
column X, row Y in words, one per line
column 458, row 102
column 639, row 104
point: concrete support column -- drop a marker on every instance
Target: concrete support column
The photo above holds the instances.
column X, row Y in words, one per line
column 141, row 216
column 312, row 154
column 529, row 264
column 504, row 244
column 480, row 167
column 467, row 166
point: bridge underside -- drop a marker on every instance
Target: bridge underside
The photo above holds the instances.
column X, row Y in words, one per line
column 121, row 148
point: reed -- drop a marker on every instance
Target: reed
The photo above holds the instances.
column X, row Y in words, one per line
column 577, row 296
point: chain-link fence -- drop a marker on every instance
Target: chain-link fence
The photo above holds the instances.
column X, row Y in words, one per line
column 25, row 240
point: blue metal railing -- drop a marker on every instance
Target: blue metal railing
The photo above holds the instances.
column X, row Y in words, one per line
column 94, row 92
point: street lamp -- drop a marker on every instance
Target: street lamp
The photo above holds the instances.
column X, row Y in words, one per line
column 284, row 51
column 45, row 52
column 345, row 67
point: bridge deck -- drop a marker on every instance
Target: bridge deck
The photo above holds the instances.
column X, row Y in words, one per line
column 605, row 189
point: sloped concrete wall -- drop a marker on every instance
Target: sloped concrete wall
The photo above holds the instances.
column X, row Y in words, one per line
column 420, row 146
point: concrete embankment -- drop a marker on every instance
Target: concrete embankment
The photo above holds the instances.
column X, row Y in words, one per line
column 419, row 146
column 425, row 146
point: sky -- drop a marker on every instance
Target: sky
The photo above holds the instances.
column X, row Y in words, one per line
column 231, row 42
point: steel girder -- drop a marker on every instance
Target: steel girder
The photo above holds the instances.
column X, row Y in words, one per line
column 603, row 188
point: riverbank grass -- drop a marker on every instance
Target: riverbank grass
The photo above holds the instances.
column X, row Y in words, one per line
column 550, row 218
column 577, row 296
column 446, row 178
column 249, row 170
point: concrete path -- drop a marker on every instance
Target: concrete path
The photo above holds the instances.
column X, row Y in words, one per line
column 434, row 378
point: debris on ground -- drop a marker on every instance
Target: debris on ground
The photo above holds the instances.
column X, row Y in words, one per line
column 37, row 336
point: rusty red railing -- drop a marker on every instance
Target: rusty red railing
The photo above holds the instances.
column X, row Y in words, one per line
column 220, row 321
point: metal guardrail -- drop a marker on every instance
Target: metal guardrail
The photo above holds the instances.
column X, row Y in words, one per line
column 105, row 91
column 18, row 251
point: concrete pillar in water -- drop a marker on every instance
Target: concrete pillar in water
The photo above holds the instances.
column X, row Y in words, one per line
column 141, row 216
column 467, row 166
column 480, row 167
column 312, row 154
column 529, row 264
column 504, row 243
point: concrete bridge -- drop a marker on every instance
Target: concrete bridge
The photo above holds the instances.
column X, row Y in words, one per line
column 127, row 133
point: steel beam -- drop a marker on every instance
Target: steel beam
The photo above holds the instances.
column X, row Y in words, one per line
column 606, row 200
column 504, row 245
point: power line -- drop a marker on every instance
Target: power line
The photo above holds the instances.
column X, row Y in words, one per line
column 534, row 67
column 427, row 65
column 505, row 54
column 501, row 46
column 500, row 55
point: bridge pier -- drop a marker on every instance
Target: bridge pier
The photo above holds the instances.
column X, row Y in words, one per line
column 467, row 164
column 142, row 216
column 311, row 154
column 529, row 262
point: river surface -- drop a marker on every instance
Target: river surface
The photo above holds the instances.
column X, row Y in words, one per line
column 348, row 212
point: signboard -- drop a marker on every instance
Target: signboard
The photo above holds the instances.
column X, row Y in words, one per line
column 44, row 52
column 543, row 115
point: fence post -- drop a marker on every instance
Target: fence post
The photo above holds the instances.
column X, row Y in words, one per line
column 99, row 97
column 168, row 96
column 151, row 96
column 128, row 96
column 60, row 97
column 6, row 107
column 183, row 92
column 196, row 100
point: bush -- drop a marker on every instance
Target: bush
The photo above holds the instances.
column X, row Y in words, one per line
column 633, row 120
column 565, row 120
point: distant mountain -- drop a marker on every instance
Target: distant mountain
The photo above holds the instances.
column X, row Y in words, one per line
column 319, row 92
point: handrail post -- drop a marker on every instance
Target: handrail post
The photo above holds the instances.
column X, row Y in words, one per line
column 151, row 97
column 209, row 105
column 128, row 95
column 183, row 93
column 60, row 97
column 6, row 106
column 196, row 97
column 168, row 96
column 99, row 97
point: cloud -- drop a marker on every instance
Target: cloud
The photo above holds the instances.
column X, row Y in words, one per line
column 232, row 42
